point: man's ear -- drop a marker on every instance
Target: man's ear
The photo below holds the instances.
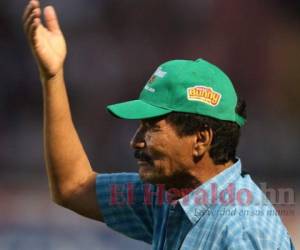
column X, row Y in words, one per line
column 202, row 143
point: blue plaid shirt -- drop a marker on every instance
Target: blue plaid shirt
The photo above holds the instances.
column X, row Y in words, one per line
column 227, row 212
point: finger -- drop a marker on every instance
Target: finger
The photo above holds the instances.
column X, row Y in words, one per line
column 51, row 20
column 35, row 24
column 28, row 23
column 29, row 8
column 35, row 14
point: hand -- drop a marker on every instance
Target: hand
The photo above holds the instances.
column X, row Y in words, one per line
column 46, row 41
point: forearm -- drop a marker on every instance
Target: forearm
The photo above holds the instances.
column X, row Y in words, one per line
column 66, row 161
column 71, row 179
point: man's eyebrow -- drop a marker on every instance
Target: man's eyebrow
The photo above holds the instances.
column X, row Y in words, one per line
column 148, row 122
column 151, row 121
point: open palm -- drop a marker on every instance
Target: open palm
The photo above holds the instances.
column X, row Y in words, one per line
column 47, row 42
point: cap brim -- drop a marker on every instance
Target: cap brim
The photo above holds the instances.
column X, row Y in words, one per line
column 136, row 109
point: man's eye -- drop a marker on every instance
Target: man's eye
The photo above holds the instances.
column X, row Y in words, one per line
column 148, row 125
column 151, row 127
column 155, row 128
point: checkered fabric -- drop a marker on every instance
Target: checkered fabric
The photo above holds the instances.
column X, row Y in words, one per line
column 227, row 212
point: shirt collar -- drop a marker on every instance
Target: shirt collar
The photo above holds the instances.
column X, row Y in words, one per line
column 197, row 202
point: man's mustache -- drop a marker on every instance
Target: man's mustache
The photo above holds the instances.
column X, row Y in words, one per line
column 142, row 156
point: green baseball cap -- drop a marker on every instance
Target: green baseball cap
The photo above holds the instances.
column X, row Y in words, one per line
column 196, row 87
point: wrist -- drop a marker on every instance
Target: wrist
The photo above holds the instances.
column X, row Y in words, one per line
column 50, row 79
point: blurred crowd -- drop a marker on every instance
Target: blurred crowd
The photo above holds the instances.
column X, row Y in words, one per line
column 113, row 48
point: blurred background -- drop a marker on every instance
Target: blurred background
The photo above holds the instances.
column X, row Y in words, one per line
column 113, row 48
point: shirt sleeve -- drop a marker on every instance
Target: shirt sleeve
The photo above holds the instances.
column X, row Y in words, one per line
column 121, row 198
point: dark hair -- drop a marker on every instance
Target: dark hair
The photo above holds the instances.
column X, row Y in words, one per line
column 226, row 134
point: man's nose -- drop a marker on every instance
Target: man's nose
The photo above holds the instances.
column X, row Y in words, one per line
column 138, row 140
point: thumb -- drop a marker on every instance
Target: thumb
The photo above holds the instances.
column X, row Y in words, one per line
column 51, row 20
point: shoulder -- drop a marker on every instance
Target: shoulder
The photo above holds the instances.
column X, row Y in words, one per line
column 124, row 177
column 255, row 234
column 252, row 227
column 251, row 222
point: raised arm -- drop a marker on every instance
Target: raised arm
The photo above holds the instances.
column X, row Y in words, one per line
column 71, row 178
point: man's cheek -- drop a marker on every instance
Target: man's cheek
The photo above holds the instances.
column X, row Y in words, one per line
column 157, row 153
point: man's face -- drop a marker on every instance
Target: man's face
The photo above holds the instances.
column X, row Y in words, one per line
column 162, row 155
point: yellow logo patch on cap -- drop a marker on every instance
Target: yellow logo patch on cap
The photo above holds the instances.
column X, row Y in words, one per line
column 204, row 94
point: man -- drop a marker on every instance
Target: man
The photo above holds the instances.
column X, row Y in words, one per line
column 185, row 146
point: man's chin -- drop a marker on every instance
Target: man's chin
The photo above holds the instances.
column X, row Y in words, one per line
column 148, row 174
